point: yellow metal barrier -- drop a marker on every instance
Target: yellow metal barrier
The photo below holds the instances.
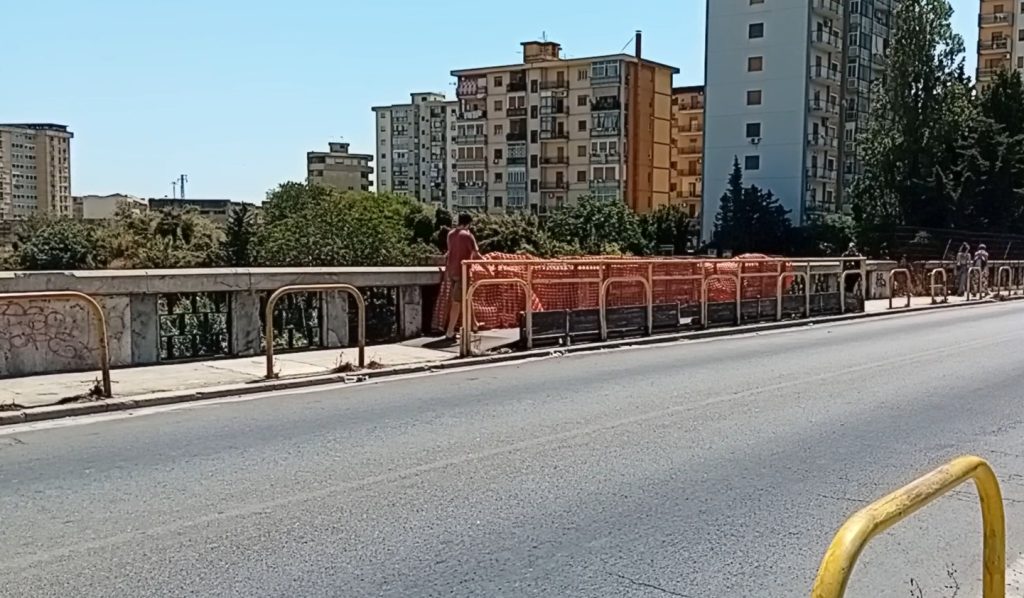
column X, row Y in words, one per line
column 842, row 287
column 969, row 271
column 853, row 536
column 268, row 337
column 603, row 302
column 96, row 310
column 909, row 289
column 704, row 297
column 999, row 280
column 945, row 285
column 807, row 293
column 466, row 347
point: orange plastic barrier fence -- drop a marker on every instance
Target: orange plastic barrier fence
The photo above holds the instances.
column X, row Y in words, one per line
column 575, row 283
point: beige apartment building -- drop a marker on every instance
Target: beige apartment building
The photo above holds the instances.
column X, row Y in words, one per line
column 413, row 147
column 35, row 170
column 105, row 207
column 999, row 45
column 339, row 169
column 687, row 154
column 537, row 135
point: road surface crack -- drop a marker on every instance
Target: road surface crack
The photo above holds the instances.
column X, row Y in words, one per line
column 844, row 498
column 644, row 584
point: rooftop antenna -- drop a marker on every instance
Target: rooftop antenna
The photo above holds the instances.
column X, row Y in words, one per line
column 182, row 180
column 174, row 189
column 544, row 36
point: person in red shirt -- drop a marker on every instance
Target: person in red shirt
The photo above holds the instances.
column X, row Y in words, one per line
column 461, row 247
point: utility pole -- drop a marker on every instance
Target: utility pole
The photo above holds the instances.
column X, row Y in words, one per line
column 182, row 180
column 174, row 189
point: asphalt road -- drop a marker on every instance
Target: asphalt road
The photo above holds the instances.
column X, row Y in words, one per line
column 717, row 468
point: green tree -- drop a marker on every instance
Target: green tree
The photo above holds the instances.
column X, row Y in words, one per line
column 53, row 243
column 1002, row 101
column 161, row 239
column 238, row 247
column 598, row 226
column 918, row 119
column 669, row 225
column 750, row 219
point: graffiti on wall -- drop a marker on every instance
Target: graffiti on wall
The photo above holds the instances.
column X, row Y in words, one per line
column 42, row 327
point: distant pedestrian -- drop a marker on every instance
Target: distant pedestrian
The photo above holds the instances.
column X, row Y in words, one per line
column 981, row 261
column 461, row 247
column 963, row 264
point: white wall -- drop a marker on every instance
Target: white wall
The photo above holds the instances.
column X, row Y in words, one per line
column 783, row 112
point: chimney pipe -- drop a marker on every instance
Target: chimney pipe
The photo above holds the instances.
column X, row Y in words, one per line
column 639, row 44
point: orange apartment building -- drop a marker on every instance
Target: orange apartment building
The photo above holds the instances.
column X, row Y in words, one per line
column 998, row 48
column 687, row 161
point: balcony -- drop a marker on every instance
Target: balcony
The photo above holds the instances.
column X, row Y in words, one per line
column 606, row 105
column 606, row 158
column 820, row 141
column 474, row 163
column 995, row 19
column 473, row 115
column 817, row 207
column 821, row 174
column 690, row 150
column 827, row 40
column 470, row 89
column 822, row 107
column 991, row 71
column 515, row 112
column 606, row 76
column 516, row 161
column 471, row 185
column 552, row 109
column 515, row 136
column 551, row 160
column 470, row 201
column 516, row 85
column 995, row 45
column 605, row 132
column 516, row 201
column 554, row 186
column 691, row 128
column 546, row 85
column 823, row 74
column 553, row 135
column 604, row 185
column 828, row 8
column 470, row 139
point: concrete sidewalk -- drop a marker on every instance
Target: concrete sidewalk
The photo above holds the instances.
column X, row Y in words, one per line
column 199, row 376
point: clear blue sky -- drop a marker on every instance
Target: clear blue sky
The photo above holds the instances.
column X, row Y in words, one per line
column 234, row 93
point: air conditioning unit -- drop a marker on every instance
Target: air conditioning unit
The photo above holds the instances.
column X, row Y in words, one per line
column 755, row 141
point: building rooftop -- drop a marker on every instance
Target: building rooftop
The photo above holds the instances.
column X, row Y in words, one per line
column 555, row 62
column 438, row 97
column 38, row 127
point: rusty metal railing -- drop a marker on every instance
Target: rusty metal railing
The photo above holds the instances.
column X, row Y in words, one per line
column 971, row 270
column 466, row 346
column 807, row 293
column 268, row 337
column 603, row 301
column 944, row 285
column 841, row 557
column 97, row 312
column 842, row 287
column 999, row 280
column 704, row 297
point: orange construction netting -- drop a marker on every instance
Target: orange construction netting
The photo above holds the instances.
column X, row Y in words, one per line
column 574, row 283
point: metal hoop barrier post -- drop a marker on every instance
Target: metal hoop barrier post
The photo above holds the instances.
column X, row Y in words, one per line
column 603, row 302
column 999, row 279
column 969, row 271
column 807, row 293
column 467, row 311
column 97, row 311
column 892, row 275
column 268, row 336
column 704, row 297
column 853, row 536
column 945, row 286
column 842, row 288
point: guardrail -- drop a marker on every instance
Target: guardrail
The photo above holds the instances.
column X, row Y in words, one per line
column 841, row 557
column 842, row 286
column 704, row 297
column 466, row 347
column 807, row 293
column 268, row 337
column 603, row 302
column 97, row 312
column 970, row 270
column 909, row 286
column 944, row 285
column 999, row 280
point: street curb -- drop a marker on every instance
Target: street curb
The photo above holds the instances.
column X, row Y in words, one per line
column 50, row 412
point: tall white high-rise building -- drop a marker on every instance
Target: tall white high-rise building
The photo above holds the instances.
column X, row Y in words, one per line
column 788, row 92
column 35, row 170
column 413, row 146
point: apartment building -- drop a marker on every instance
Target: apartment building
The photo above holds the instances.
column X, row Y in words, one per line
column 413, row 146
column 1000, row 47
column 539, row 134
column 105, row 207
column 339, row 169
column 217, row 210
column 788, row 92
column 687, row 153
column 35, row 170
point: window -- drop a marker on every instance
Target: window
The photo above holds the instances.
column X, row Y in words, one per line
column 497, row 153
column 605, row 173
column 498, row 201
column 499, row 129
column 755, row 31
column 497, row 81
column 752, row 163
column 755, row 64
column 497, row 177
column 533, row 185
column 605, row 69
column 582, row 75
column 581, row 176
column 581, row 151
column 534, row 136
column 754, row 97
column 581, row 125
column 534, row 85
column 752, row 2
column 497, row 105
column 581, row 100
column 533, row 161
column 753, row 130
